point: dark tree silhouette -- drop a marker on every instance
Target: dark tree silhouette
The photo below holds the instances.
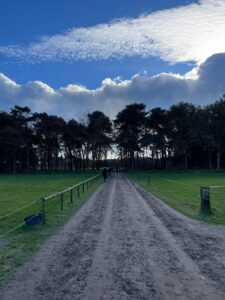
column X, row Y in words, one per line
column 184, row 136
column 49, row 132
column 183, row 129
column 157, row 133
column 130, row 124
column 100, row 136
column 216, row 128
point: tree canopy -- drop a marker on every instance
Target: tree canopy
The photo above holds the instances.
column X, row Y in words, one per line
column 183, row 136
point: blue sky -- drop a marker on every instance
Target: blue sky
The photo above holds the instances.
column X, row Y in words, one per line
column 86, row 55
column 25, row 21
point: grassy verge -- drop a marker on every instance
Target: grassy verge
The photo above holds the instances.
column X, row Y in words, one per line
column 19, row 190
column 181, row 190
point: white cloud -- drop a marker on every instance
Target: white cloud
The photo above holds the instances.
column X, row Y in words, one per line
column 187, row 33
column 160, row 90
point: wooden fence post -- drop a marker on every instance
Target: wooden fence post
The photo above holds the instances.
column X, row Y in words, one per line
column 205, row 199
column 43, row 210
column 71, row 196
column 43, row 200
column 61, row 200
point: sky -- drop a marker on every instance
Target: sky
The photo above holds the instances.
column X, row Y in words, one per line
column 69, row 58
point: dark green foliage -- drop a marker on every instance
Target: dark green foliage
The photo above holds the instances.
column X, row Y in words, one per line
column 100, row 135
column 184, row 136
column 130, row 123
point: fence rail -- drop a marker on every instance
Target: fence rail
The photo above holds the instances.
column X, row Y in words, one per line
column 79, row 188
column 89, row 182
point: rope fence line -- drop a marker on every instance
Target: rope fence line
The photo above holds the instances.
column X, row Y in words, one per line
column 186, row 184
column 216, row 186
column 80, row 188
column 170, row 193
column 205, row 193
column 70, row 188
column 76, row 187
column 195, row 194
column 17, row 210
column 14, row 229
column 172, row 180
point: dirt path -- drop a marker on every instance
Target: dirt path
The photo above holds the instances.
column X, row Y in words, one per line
column 125, row 244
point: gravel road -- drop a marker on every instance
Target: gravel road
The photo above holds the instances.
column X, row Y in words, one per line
column 126, row 244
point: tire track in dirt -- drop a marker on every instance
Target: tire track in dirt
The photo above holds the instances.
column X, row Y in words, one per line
column 203, row 243
column 60, row 268
column 99, row 278
column 179, row 275
column 125, row 244
column 133, row 278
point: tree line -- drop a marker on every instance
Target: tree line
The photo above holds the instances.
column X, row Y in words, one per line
column 181, row 137
column 41, row 142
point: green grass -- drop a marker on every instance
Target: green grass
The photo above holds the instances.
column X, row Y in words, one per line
column 181, row 190
column 19, row 190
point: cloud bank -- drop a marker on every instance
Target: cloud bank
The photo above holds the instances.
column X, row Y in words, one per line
column 202, row 85
column 187, row 33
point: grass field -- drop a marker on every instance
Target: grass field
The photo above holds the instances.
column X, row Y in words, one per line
column 181, row 190
column 19, row 190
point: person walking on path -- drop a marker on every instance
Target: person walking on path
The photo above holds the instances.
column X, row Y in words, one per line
column 104, row 174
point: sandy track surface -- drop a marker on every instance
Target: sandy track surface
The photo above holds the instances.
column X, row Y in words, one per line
column 126, row 244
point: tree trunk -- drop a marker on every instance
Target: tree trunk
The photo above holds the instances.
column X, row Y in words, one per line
column 14, row 163
column 169, row 160
column 186, row 162
column 132, row 159
column 49, row 160
column 43, row 162
column 56, row 161
column 166, row 162
column 210, row 159
column 218, row 158
column 157, row 159
column 28, row 160
column 153, row 160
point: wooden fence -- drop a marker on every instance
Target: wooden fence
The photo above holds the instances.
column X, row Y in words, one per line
column 77, row 188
